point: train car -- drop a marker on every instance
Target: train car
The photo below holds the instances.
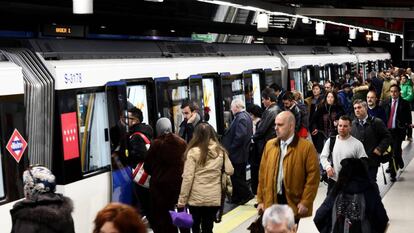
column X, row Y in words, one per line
column 307, row 64
column 64, row 97
column 85, row 89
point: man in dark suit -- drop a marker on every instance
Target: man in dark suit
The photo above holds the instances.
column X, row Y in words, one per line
column 373, row 134
column 398, row 116
column 237, row 141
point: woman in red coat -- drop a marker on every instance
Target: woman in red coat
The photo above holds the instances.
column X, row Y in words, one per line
column 164, row 162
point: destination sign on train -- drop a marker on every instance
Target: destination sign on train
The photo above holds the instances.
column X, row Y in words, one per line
column 64, row 30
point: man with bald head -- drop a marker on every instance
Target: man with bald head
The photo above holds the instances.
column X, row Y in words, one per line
column 289, row 170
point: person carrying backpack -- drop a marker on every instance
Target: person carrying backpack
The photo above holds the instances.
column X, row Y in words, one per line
column 373, row 134
column 354, row 205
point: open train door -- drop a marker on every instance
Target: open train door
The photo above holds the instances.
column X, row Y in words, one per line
column 140, row 93
column 232, row 87
column 170, row 95
column 202, row 92
column 254, row 83
column 118, row 122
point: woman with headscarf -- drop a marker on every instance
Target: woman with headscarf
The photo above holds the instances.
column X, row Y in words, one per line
column 42, row 210
column 164, row 162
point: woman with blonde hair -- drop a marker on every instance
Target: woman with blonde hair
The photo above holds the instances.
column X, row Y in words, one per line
column 201, row 185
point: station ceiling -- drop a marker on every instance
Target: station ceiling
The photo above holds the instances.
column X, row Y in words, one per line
column 183, row 17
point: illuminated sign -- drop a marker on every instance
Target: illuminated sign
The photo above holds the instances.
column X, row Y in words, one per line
column 63, row 30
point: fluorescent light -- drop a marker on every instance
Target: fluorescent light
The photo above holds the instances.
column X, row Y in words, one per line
column 320, row 28
column 82, row 6
column 352, row 33
column 305, row 20
column 262, row 22
column 257, row 9
column 375, row 36
column 392, row 38
column 154, row 0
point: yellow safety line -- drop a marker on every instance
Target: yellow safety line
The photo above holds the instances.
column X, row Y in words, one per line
column 236, row 217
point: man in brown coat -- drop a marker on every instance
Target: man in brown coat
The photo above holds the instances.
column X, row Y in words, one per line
column 292, row 180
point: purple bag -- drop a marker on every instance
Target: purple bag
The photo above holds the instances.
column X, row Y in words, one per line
column 182, row 219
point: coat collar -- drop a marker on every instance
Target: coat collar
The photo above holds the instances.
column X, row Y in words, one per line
column 293, row 143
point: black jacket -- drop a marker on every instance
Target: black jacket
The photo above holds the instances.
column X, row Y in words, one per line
column 50, row 213
column 265, row 130
column 375, row 211
column 237, row 137
column 403, row 115
column 373, row 135
column 137, row 151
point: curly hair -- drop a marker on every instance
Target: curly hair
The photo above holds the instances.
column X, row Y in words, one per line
column 124, row 217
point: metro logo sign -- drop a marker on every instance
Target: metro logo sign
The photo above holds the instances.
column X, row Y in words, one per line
column 70, row 135
column 16, row 145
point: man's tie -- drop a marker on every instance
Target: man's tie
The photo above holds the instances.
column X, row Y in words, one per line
column 389, row 124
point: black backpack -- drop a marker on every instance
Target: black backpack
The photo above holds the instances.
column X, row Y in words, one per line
column 348, row 214
column 324, row 174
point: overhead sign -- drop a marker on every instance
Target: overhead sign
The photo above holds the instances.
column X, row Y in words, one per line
column 70, row 135
column 16, row 145
column 63, row 30
column 203, row 37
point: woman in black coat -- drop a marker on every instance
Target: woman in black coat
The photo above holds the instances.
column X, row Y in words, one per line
column 354, row 179
column 325, row 119
column 165, row 164
column 43, row 210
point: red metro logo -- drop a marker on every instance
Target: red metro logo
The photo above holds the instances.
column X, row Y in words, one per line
column 16, row 145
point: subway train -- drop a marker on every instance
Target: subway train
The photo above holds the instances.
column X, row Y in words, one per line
column 59, row 100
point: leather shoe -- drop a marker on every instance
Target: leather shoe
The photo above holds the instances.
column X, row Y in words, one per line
column 393, row 179
column 388, row 170
column 401, row 164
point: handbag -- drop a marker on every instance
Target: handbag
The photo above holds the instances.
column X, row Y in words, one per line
column 139, row 176
column 181, row 219
column 226, row 185
column 256, row 226
column 226, row 190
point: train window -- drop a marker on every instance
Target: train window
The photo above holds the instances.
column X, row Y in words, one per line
column 1, row 179
column 93, row 131
column 232, row 88
column 137, row 96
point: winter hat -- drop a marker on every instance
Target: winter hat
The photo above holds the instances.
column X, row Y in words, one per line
column 163, row 126
column 36, row 180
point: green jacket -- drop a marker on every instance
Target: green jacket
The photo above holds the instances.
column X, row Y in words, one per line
column 407, row 91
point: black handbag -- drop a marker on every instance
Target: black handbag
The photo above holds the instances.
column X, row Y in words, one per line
column 256, row 226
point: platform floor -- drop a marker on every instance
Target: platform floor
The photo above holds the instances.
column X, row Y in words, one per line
column 398, row 199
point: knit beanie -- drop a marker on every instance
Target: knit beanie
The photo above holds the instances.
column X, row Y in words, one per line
column 37, row 180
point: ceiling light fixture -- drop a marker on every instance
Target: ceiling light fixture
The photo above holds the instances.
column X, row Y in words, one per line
column 320, row 28
column 262, row 22
column 375, row 36
column 305, row 20
column 352, row 33
column 82, row 6
column 258, row 9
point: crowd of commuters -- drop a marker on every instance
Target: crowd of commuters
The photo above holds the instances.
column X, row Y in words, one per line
column 344, row 129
